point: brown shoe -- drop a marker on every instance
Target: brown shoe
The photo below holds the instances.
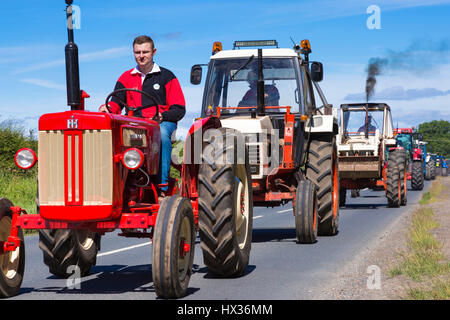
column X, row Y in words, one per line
column 161, row 196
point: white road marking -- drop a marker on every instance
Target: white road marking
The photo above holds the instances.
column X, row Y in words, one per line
column 123, row 249
column 287, row 210
column 139, row 245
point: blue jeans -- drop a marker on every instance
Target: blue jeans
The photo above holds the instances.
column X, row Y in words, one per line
column 167, row 128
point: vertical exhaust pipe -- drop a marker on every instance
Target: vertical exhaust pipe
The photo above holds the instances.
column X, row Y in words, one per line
column 260, row 86
column 72, row 67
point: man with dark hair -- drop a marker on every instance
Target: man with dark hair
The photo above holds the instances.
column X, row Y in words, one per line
column 159, row 83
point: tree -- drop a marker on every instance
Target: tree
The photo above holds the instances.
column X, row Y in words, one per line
column 437, row 134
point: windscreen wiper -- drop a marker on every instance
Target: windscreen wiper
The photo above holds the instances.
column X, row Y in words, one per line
column 245, row 64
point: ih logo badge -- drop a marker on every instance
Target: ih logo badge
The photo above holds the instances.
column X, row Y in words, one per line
column 72, row 123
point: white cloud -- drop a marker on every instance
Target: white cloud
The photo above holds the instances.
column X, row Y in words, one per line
column 91, row 56
column 330, row 9
column 44, row 83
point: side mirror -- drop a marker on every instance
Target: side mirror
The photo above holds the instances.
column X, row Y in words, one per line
column 196, row 74
column 316, row 71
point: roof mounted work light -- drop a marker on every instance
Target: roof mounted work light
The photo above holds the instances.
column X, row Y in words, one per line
column 255, row 43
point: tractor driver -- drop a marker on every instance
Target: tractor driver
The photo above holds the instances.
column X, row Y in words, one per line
column 370, row 127
column 271, row 94
column 159, row 83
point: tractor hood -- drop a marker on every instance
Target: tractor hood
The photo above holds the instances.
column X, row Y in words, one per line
column 248, row 124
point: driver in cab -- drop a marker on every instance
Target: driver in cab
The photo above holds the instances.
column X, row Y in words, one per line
column 163, row 86
column 271, row 94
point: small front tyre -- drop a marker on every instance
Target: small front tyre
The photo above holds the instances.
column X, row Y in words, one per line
column 173, row 247
column 12, row 263
column 305, row 212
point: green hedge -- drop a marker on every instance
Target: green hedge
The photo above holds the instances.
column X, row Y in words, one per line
column 12, row 138
column 17, row 185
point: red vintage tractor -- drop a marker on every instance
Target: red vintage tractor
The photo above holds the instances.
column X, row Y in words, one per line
column 414, row 159
column 98, row 173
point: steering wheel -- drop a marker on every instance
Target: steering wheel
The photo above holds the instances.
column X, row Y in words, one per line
column 154, row 104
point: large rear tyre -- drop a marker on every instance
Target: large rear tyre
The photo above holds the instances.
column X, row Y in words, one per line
column 393, row 181
column 63, row 248
column 306, row 220
column 433, row 169
column 427, row 172
column 225, row 204
column 173, row 247
column 417, row 175
column 12, row 263
column 403, row 172
column 322, row 169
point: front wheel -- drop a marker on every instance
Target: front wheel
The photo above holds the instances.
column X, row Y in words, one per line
column 12, row 263
column 305, row 212
column 173, row 247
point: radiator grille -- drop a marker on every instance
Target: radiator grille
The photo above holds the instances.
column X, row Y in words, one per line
column 254, row 153
column 86, row 179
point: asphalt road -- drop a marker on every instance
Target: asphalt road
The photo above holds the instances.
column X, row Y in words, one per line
column 279, row 268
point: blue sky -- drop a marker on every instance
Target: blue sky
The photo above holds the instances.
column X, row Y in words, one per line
column 413, row 33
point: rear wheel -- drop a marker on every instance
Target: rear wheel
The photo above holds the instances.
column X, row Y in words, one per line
column 433, row 169
column 393, row 181
column 64, row 248
column 403, row 172
column 305, row 211
column 427, row 172
column 12, row 263
column 225, row 204
column 322, row 169
column 173, row 247
column 417, row 175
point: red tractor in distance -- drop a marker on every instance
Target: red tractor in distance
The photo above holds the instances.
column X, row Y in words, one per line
column 98, row 173
column 414, row 159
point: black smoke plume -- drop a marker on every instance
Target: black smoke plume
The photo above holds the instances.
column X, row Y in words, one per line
column 422, row 57
column 374, row 69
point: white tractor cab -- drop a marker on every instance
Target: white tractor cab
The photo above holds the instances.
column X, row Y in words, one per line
column 271, row 97
column 366, row 139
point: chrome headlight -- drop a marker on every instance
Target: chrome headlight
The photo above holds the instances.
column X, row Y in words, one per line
column 25, row 158
column 132, row 158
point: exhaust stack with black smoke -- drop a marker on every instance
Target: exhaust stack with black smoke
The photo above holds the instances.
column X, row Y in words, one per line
column 422, row 57
column 374, row 69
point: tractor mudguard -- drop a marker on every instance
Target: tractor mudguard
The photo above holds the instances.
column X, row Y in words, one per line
column 192, row 154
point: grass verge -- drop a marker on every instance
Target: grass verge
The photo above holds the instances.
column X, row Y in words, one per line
column 21, row 190
column 423, row 260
